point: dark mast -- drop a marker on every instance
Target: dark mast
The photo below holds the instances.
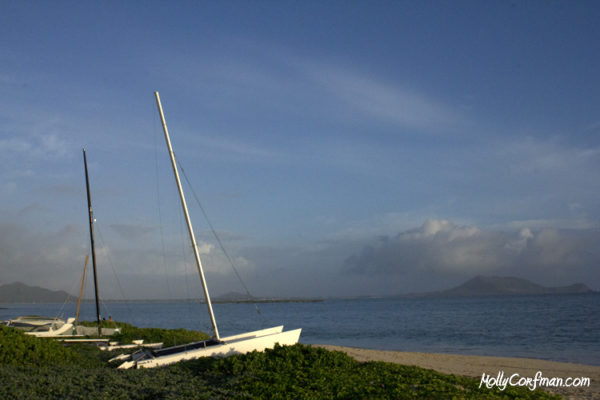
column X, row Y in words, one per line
column 91, row 214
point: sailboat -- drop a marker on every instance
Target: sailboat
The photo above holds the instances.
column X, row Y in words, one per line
column 70, row 327
column 36, row 323
column 217, row 346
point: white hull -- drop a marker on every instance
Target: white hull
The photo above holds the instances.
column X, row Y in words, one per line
column 134, row 345
column 30, row 323
column 65, row 330
column 237, row 344
column 35, row 320
column 93, row 331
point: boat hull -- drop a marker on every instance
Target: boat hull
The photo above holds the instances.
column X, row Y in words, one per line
column 65, row 330
column 29, row 323
column 238, row 344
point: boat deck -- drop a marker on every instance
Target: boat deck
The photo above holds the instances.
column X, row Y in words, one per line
column 185, row 347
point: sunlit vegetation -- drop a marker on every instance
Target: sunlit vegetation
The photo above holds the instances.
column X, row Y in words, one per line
column 32, row 368
column 16, row 348
column 169, row 337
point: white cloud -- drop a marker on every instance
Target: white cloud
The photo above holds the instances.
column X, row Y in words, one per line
column 435, row 227
column 385, row 101
column 549, row 155
column 521, row 242
column 439, row 246
column 37, row 145
column 204, row 248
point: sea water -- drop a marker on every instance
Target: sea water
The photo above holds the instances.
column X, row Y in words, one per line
column 552, row 327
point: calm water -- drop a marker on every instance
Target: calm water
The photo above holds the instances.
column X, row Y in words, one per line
column 558, row 327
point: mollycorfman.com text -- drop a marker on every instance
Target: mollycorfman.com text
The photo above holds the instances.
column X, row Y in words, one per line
column 538, row 381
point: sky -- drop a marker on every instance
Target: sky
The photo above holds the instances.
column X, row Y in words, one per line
column 339, row 148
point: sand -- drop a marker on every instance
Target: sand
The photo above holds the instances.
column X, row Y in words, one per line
column 475, row 366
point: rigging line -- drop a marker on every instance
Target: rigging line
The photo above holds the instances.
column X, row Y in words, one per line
column 112, row 266
column 62, row 308
column 85, row 286
column 160, row 220
column 214, row 232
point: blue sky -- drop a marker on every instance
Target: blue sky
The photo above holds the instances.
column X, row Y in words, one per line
column 340, row 148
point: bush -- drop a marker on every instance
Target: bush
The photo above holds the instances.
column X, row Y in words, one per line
column 34, row 368
column 169, row 337
column 301, row 371
column 17, row 348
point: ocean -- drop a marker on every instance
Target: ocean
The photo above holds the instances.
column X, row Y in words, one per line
column 552, row 327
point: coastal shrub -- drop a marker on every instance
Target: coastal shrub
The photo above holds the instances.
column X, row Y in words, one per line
column 17, row 348
column 169, row 337
column 301, row 371
column 34, row 368
column 103, row 323
column 65, row 382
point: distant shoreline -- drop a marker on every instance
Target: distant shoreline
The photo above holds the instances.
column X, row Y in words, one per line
column 255, row 301
column 479, row 286
column 267, row 301
column 415, row 296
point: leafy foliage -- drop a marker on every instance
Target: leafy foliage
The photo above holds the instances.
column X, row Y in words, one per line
column 298, row 372
column 305, row 372
column 169, row 337
column 103, row 324
column 16, row 348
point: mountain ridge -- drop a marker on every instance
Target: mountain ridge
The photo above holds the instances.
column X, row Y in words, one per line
column 503, row 286
column 18, row 292
column 478, row 286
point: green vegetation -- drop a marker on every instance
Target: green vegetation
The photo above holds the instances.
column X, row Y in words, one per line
column 17, row 348
column 169, row 337
column 104, row 324
column 294, row 372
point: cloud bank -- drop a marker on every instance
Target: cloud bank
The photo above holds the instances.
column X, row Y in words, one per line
column 441, row 248
column 437, row 255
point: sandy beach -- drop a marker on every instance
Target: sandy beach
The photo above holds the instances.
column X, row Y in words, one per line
column 475, row 366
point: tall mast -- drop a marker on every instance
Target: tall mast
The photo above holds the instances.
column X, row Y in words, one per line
column 187, row 217
column 91, row 214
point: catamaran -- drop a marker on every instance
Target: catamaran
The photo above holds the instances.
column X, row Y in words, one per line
column 29, row 323
column 217, row 346
column 57, row 327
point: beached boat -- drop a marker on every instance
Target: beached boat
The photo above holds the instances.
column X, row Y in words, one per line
column 217, row 346
column 53, row 330
column 29, row 323
column 57, row 327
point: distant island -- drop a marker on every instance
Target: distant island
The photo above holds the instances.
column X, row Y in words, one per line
column 21, row 293
column 235, row 297
column 478, row 286
column 503, row 286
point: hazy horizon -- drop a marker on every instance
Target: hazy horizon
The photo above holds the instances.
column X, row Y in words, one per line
column 236, row 295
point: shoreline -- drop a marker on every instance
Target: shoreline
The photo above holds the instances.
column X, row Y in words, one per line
column 475, row 366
